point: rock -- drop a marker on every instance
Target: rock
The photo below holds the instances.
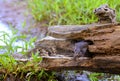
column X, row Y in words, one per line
column 18, row 56
column 81, row 77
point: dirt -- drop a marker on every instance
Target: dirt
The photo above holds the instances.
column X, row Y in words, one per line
column 17, row 14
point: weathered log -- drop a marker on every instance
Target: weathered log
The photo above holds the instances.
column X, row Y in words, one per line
column 106, row 48
column 109, row 64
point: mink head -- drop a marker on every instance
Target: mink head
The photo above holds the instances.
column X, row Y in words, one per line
column 104, row 10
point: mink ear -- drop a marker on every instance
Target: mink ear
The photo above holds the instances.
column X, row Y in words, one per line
column 114, row 11
column 94, row 10
column 106, row 5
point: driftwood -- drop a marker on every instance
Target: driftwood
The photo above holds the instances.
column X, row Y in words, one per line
column 105, row 50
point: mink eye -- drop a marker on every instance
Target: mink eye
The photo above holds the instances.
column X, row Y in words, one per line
column 106, row 9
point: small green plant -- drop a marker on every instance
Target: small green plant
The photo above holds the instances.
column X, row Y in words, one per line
column 95, row 76
column 10, row 46
column 11, row 43
column 7, row 63
column 41, row 75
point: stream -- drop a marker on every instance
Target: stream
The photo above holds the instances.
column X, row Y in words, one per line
column 5, row 29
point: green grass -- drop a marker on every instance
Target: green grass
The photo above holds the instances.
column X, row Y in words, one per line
column 8, row 64
column 58, row 12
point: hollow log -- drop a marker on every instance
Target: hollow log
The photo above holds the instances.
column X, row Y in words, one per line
column 105, row 50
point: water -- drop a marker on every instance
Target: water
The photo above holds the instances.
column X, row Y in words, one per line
column 4, row 28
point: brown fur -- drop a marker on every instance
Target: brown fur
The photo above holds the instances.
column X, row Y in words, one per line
column 105, row 14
